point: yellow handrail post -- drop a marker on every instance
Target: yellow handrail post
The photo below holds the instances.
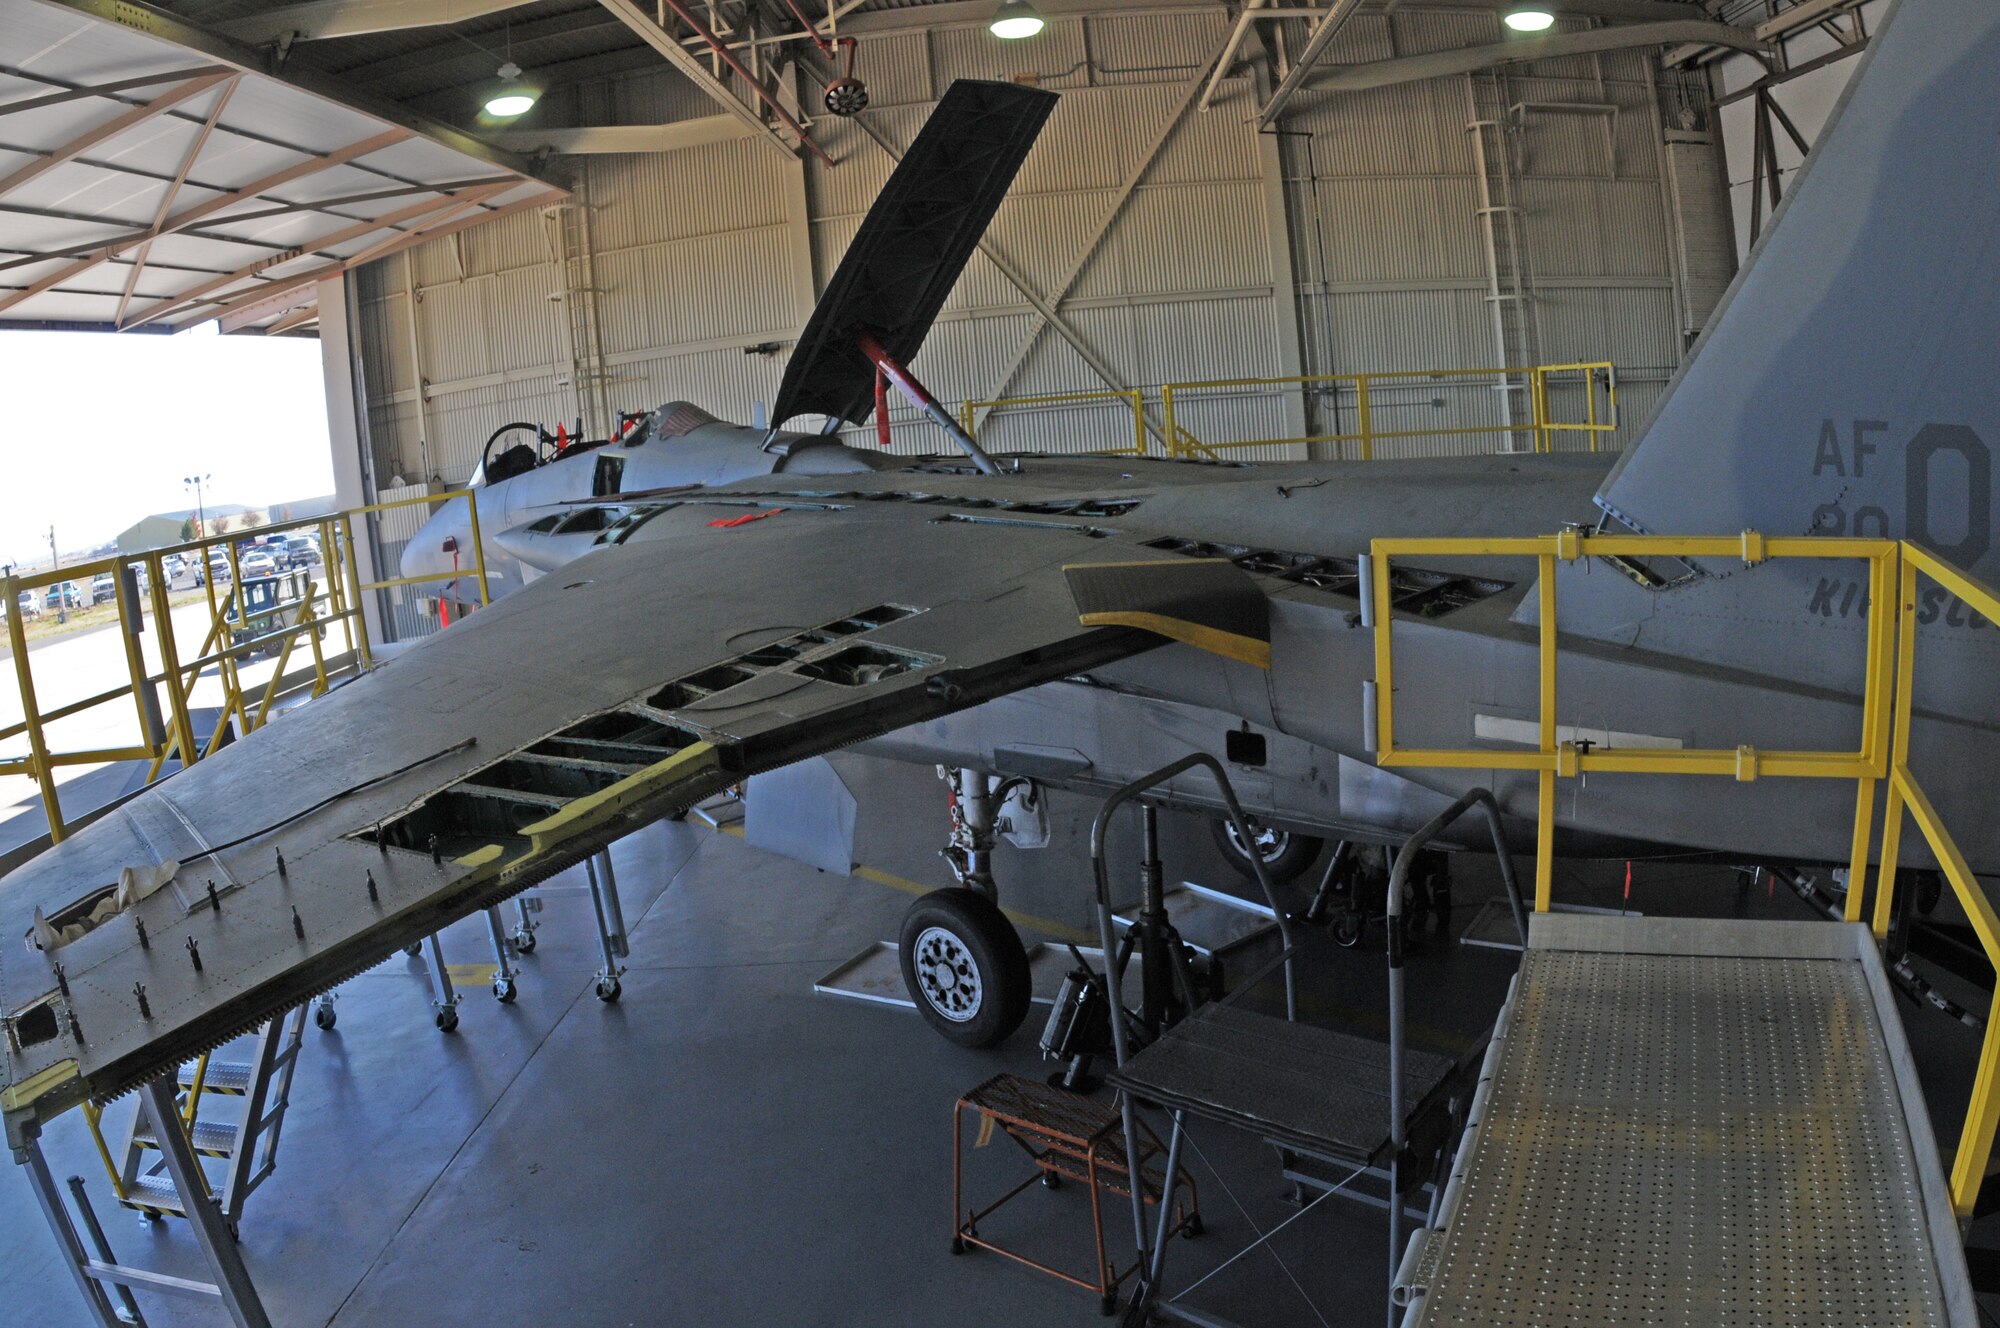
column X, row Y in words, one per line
column 1138, row 422
column 1364, row 416
column 359, row 617
column 478, row 545
column 31, row 713
column 1170, row 431
column 135, row 662
column 235, row 683
column 1899, row 757
column 1546, row 789
column 1590, row 396
column 170, row 669
column 93, row 1116
column 965, row 418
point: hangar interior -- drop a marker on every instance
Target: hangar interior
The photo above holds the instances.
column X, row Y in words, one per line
column 1114, row 388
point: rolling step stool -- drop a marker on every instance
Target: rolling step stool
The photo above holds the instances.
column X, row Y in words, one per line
column 1067, row 1137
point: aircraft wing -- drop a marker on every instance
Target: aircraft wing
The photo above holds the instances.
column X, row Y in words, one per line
column 716, row 641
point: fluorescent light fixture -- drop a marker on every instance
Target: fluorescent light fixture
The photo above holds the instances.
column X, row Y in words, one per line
column 1016, row 19
column 1530, row 18
column 510, row 97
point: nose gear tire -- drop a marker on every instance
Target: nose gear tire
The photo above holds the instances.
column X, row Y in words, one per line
column 965, row 967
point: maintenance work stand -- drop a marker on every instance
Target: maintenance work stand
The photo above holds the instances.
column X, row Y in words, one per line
column 1682, row 1119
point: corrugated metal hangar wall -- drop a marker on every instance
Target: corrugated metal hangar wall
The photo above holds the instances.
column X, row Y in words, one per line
column 1566, row 210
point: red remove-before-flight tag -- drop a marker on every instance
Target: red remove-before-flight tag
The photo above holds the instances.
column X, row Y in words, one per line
column 743, row 520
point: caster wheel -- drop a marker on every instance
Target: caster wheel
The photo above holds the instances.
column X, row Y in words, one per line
column 1108, row 1305
column 1193, row 1228
column 447, row 1019
column 958, row 1245
column 503, row 991
column 608, row 990
column 1347, row 929
column 324, row 1018
column 414, row 951
column 524, row 942
column 1051, row 1181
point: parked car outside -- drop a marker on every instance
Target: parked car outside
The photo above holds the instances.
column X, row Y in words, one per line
column 257, row 563
column 103, row 588
column 30, row 605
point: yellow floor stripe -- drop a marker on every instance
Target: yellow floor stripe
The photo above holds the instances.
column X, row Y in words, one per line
column 471, row 973
column 1062, row 931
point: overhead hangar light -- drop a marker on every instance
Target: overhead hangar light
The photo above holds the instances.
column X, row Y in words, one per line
column 1016, row 19
column 510, row 97
column 1530, row 18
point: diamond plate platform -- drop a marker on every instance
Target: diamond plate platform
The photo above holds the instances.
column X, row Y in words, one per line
column 1694, row 1123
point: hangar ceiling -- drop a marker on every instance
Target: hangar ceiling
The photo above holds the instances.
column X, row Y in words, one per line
column 145, row 182
column 161, row 166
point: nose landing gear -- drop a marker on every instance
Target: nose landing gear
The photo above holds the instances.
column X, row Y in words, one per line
column 963, row 962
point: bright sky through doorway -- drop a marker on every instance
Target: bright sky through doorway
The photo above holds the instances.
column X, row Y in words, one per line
column 99, row 429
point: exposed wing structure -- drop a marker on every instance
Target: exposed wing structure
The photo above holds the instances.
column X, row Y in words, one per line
column 635, row 681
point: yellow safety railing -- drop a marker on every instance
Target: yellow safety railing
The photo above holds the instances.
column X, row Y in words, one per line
column 331, row 601
column 1367, row 397
column 1894, row 569
column 1134, row 399
column 1547, row 426
column 1975, row 1148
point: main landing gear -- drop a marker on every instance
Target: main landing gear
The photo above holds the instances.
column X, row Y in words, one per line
column 963, row 962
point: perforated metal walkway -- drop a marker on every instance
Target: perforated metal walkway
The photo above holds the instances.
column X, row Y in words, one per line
column 1691, row 1122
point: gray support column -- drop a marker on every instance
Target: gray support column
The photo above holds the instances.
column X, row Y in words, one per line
column 1290, row 360
column 347, row 429
column 239, row 1295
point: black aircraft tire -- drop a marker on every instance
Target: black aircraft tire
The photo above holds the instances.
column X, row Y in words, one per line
column 1286, row 854
column 965, row 967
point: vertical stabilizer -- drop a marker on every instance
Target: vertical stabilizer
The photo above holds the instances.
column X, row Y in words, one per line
column 1850, row 383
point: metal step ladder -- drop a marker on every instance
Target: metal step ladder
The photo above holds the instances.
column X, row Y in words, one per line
column 1510, row 285
column 247, row 1146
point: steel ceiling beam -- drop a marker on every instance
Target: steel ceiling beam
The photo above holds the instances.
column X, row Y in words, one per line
column 248, row 309
column 1337, row 14
column 669, row 137
column 109, row 89
column 140, row 17
column 1133, row 178
column 320, row 19
column 1442, row 64
column 110, row 129
column 173, row 191
column 132, row 240
column 632, row 16
column 195, row 297
column 1230, row 47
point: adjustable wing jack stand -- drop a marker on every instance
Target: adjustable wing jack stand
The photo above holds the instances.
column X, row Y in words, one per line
column 610, row 923
column 503, row 958
column 106, row 1285
column 444, row 1000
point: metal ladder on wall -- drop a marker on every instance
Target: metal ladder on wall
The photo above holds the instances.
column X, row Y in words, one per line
column 575, row 258
column 1509, row 277
column 247, row 1146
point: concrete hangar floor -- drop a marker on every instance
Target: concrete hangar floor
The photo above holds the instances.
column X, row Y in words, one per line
column 726, row 1146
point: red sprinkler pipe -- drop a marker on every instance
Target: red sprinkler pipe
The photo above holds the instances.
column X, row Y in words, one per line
column 881, row 408
column 920, row 397
column 729, row 58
